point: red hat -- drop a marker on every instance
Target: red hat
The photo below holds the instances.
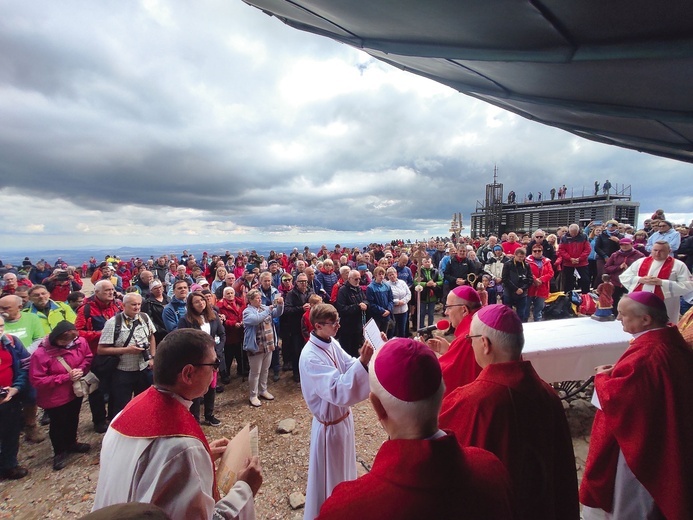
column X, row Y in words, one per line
column 465, row 292
column 501, row 318
column 648, row 299
column 407, row 370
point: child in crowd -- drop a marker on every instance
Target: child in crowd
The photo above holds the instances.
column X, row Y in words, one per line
column 306, row 326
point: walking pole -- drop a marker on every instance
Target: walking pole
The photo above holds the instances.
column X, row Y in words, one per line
column 418, row 290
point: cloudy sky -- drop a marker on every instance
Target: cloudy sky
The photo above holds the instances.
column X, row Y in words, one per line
column 169, row 122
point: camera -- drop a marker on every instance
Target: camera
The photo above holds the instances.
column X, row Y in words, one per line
column 145, row 351
column 4, row 392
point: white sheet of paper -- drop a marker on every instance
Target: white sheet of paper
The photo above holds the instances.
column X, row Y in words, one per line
column 371, row 332
column 241, row 447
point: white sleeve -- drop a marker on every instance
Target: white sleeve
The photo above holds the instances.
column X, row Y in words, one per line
column 338, row 389
column 629, row 277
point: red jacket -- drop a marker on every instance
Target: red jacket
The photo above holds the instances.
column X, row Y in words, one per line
column 91, row 318
column 574, row 247
column 545, row 273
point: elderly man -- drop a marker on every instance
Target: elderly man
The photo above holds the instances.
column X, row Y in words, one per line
column 641, row 449
column 665, row 231
column 420, row 471
column 49, row 312
column 153, row 305
column 91, row 318
column 459, row 268
column 14, row 379
column 574, row 250
column 662, row 275
column 617, row 263
column 508, row 410
column 457, row 361
column 129, row 335
column 26, row 326
column 10, row 284
column 156, row 452
column 352, row 307
column 143, row 282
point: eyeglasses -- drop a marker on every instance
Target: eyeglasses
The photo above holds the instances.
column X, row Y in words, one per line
column 301, row 281
column 537, row 250
column 538, row 236
column 331, row 323
column 470, row 336
column 215, row 365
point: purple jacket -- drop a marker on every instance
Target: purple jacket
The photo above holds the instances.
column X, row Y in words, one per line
column 48, row 375
column 613, row 264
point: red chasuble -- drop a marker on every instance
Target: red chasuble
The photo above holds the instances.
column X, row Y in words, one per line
column 647, row 412
column 416, row 479
column 458, row 364
column 156, row 414
column 509, row 411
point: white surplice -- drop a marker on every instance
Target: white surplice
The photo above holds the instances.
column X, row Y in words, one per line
column 678, row 284
column 331, row 382
column 174, row 473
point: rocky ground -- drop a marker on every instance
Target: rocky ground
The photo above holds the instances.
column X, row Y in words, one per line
column 69, row 493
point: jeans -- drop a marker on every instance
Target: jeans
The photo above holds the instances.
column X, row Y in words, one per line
column 537, row 303
column 259, row 368
column 64, row 423
column 518, row 301
column 401, row 324
column 427, row 309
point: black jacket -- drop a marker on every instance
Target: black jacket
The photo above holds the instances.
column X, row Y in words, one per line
column 347, row 305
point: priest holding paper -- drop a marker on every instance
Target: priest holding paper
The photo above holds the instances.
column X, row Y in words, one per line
column 155, row 451
column 331, row 381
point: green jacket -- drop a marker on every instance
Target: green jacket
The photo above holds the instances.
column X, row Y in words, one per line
column 57, row 312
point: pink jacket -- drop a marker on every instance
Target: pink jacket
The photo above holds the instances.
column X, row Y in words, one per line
column 48, row 375
column 544, row 274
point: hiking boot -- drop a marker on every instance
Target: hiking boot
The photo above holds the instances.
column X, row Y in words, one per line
column 14, row 473
column 101, row 426
column 60, row 461
column 212, row 421
column 79, row 447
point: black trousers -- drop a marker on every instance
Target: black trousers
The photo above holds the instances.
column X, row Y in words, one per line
column 97, row 405
column 64, row 423
column 126, row 384
column 208, row 399
column 569, row 278
column 351, row 343
column 235, row 351
column 297, row 344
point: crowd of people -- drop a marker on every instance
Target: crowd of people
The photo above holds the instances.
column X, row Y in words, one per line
column 304, row 312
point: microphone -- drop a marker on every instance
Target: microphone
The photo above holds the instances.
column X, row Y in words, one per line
column 440, row 325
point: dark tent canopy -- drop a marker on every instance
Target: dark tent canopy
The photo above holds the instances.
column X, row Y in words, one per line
column 618, row 72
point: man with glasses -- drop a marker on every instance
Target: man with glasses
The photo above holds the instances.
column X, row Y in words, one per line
column 457, row 360
column 665, row 231
column 91, row 318
column 331, row 382
column 539, row 238
column 509, row 411
column 156, row 452
column 296, row 303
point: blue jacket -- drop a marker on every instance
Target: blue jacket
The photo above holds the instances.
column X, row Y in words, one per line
column 252, row 317
column 20, row 361
column 173, row 312
column 379, row 296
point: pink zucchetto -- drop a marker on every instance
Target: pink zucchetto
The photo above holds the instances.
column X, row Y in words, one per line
column 466, row 292
column 501, row 318
column 648, row 299
column 407, row 370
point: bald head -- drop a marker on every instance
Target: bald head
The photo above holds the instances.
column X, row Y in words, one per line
column 11, row 306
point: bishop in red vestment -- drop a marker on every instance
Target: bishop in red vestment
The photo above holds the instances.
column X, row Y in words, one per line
column 509, row 411
column 421, row 471
column 457, row 362
column 644, row 419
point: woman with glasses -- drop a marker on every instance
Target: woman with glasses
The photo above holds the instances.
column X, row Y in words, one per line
column 200, row 315
column 259, row 341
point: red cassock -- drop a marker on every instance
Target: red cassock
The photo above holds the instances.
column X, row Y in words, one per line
column 417, row 479
column 458, row 364
column 509, row 411
column 647, row 413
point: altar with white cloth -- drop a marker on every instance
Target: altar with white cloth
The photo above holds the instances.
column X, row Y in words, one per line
column 569, row 349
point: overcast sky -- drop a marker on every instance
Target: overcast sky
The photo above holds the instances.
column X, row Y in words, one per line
column 169, row 122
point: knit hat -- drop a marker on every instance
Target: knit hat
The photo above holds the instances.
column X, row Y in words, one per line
column 648, row 299
column 407, row 369
column 465, row 292
column 60, row 329
column 497, row 248
column 501, row 318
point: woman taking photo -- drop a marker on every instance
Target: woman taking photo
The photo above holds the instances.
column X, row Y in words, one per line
column 200, row 315
column 259, row 341
column 62, row 358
